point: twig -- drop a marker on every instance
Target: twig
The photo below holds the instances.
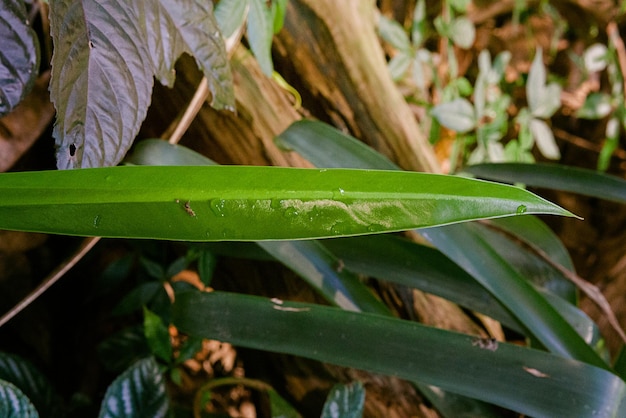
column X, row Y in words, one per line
column 180, row 126
column 587, row 288
column 85, row 246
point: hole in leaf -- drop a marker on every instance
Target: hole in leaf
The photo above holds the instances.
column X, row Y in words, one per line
column 72, row 150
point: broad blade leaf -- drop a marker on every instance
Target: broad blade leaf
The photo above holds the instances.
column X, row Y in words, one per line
column 249, row 203
column 345, row 401
column 19, row 55
column 529, row 381
column 13, row 402
column 555, row 176
column 138, row 392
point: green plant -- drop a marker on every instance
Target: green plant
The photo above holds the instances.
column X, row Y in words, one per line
column 475, row 243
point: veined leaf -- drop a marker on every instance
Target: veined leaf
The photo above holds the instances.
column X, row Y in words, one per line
column 138, row 392
column 13, row 402
column 249, row 203
column 106, row 54
column 345, row 401
column 19, row 56
column 31, row 382
column 529, row 381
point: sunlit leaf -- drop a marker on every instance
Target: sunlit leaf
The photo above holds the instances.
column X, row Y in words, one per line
column 216, row 203
column 138, row 392
column 19, row 55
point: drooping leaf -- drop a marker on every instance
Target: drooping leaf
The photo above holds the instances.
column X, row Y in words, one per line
column 528, row 381
column 230, row 15
column 103, row 65
column 13, row 402
column 19, row 55
column 194, row 23
column 457, row 115
column 31, row 382
column 557, row 177
column 249, row 203
column 138, row 392
column 260, row 34
column 101, row 80
column 345, row 401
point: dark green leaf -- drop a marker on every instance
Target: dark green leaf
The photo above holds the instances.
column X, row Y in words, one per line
column 345, row 401
column 13, row 402
column 31, row 382
column 123, row 348
column 19, row 56
column 249, row 203
column 528, row 381
column 500, row 278
column 138, row 392
column 280, row 407
column 138, row 297
column 157, row 335
column 206, row 265
column 555, row 176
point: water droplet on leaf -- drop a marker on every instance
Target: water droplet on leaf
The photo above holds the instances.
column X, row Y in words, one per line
column 521, row 209
column 217, row 206
column 96, row 221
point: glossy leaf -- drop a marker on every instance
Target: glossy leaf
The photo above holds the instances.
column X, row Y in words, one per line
column 528, row 381
column 103, row 65
column 31, row 382
column 13, row 402
column 345, row 401
column 553, row 176
column 138, row 392
column 249, row 203
column 19, row 56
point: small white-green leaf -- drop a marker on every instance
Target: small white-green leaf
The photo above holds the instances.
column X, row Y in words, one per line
column 544, row 139
column 463, row 32
column 595, row 58
column 138, row 392
column 549, row 101
column 260, row 34
column 596, row 106
column 19, row 55
column 457, row 115
column 393, row 33
column 398, row 65
column 536, row 81
column 345, row 401
column 230, row 15
column 418, row 27
column 13, row 402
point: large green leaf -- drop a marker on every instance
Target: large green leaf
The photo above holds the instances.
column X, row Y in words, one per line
column 13, row 402
column 138, row 392
column 529, row 381
column 105, row 56
column 249, row 203
column 19, row 55
column 555, row 176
